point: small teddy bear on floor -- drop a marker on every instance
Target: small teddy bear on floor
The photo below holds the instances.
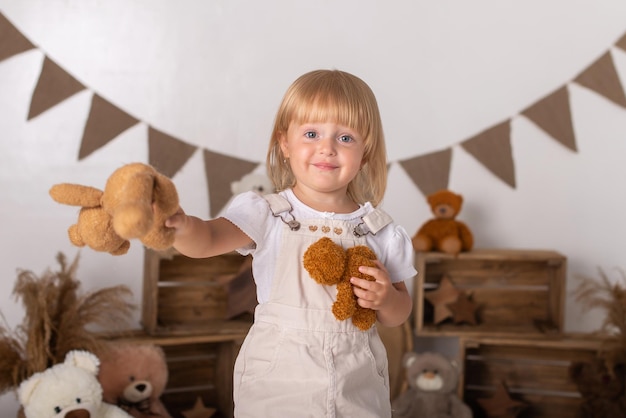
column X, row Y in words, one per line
column 432, row 380
column 329, row 264
column 135, row 203
column 444, row 233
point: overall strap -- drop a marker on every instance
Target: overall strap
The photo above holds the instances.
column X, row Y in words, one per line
column 278, row 204
column 373, row 222
column 281, row 208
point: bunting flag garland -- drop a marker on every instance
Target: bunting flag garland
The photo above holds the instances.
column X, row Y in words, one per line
column 166, row 153
column 553, row 115
column 621, row 44
column 492, row 148
column 12, row 42
column 54, row 86
column 602, row 78
column 429, row 172
column 105, row 123
column 221, row 171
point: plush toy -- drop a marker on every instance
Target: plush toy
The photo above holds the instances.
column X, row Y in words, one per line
column 133, row 377
column 58, row 318
column 444, row 233
column 259, row 183
column 432, row 380
column 68, row 389
column 329, row 264
column 601, row 389
column 135, row 203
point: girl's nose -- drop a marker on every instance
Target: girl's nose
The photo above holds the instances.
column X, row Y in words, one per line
column 326, row 146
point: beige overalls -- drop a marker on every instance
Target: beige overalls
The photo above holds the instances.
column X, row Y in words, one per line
column 298, row 360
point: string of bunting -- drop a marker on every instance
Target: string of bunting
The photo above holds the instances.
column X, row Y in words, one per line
column 430, row 172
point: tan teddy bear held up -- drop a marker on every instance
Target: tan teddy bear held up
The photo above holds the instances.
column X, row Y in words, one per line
column 135, row 203
column 329, row 264
column 444, row 233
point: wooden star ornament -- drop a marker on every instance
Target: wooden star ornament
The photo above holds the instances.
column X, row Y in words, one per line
column 464, row 309
column 501, row 405
column 445, row 294
column 199, row 410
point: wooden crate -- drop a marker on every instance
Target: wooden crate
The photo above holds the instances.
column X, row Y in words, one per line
column 516, row 291
column 534, row 370
column 183, row 295
column 200, row 366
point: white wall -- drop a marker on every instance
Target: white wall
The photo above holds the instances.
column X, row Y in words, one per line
column 212, row 73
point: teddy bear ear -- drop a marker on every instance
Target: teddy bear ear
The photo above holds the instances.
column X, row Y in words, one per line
column 409, row 358
column 84, row 360
column 27, row 388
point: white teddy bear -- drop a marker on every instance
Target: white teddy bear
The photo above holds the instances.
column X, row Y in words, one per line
column 68, row 387
column 256, row 182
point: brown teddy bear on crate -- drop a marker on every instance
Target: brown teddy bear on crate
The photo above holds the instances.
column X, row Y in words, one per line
column 329, row 264
column 135, row 203
column 602, row 388
column 432, row 380
column 444, row 233
column 133, row 376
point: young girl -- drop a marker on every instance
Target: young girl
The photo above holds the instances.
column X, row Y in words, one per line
column 327, row 159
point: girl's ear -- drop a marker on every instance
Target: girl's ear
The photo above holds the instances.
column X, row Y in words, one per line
column 282, row 141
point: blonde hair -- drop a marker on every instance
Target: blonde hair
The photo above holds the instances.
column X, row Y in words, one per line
column 333, row 95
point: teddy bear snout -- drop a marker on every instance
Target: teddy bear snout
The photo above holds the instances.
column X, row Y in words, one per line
column 78, row 413
column 138, row 391
column 444, row 211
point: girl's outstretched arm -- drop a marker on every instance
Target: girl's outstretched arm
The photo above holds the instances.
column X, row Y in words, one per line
column 391, row 301
column 199, row 238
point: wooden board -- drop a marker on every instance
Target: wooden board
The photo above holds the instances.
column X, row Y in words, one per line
column 515, row 291
column 189, row 295
column 535, row 371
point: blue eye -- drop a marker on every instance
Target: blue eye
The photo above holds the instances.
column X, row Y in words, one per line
column 345, row 138
column 310, row 134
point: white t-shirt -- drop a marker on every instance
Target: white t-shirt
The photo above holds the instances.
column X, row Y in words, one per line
column 251, row 213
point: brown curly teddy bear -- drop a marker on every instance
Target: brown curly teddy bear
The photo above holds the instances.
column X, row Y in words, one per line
column 329, row 264
column 444, row 233
column 135, row 203
column 133, row 376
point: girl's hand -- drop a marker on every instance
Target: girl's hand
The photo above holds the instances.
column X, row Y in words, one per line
column 373, row 294
column 177, row 221
column 391, row 302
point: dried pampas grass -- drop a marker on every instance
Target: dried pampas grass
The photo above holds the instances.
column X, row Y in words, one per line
column 57, row 320
column 602, row 293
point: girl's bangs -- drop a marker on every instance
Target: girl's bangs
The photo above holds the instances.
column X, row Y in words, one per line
column 323, row 108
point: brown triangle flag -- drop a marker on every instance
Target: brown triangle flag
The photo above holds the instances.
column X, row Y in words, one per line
column 54, row 86
column 105, row 122
column 621, row 44
column 429, row 172
column 602, row 78
column 492, row 148
column 553, row 115
column 221, row 171
column 12, row 42
column 166, row 153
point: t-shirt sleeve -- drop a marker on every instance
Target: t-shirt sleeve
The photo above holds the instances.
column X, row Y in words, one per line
column 400, row 256
column 250, row 212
